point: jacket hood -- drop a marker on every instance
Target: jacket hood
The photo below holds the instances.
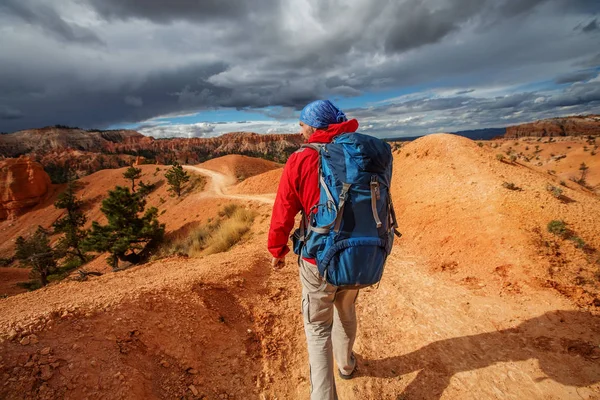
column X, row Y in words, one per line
column 327, row 135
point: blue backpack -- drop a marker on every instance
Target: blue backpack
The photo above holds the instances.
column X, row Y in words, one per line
column 351, row 233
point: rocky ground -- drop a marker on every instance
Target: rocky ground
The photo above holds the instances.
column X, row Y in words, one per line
column 478, row 301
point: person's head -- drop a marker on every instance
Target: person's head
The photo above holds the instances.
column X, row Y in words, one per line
column 319, row 115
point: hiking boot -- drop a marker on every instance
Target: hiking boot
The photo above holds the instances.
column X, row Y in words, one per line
column 346, row 377
column 351, row 374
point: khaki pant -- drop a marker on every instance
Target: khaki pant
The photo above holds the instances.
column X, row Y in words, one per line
column 329, row 319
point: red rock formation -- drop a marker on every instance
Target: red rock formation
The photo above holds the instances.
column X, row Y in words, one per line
column 138, row 161
column 567, row 126
column 23, row 183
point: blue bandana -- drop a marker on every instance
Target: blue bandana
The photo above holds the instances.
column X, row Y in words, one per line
column 321, row 113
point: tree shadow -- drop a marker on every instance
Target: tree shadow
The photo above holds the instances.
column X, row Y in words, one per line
column 564, row 342
column 565, row 199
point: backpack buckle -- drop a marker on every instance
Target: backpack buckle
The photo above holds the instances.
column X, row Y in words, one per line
column 375, row 187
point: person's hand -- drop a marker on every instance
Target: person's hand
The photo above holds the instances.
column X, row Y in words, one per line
column 278, row 263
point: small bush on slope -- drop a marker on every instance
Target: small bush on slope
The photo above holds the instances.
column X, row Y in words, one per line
column 215, row 237
column 230, row 231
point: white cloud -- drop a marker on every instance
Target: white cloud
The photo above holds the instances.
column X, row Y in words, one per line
column 207, row 129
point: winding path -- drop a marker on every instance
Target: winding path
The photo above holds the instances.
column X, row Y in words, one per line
column 220, row 182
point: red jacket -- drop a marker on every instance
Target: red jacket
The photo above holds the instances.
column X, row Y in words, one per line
column 299, row 188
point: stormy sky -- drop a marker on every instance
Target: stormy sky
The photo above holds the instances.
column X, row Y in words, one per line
column 201, row 68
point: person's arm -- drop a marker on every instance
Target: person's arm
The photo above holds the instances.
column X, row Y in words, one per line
column 287, row 205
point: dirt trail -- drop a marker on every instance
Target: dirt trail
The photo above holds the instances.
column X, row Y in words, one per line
column 227, row 326
column 219, row 184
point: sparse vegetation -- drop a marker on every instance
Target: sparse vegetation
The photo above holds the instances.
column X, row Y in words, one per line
column 36, row 253
column 228, row 210
column 126, row 235
column 146, row 188
column 71, row 225
column 177, row 179
column 500, row 157
column 230, row 231
column 196, row 183
column 579, row 242
column 555, row 191
column 132, row 173
column 584, row 169
column 214, row 237
column 557, row 227
column 58, row 173
column 6, row 261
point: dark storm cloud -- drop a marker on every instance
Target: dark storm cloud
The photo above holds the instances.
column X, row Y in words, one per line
column 46, row 18
column 8, row 113
column 418, row 23
column 576, row 76
column 163, row 58
column 591, row 27
column 161, row 93
column 166, row 11
column 591, row 62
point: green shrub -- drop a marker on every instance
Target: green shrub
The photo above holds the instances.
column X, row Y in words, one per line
column 31, row 285
column 579, row 242
column 6, row 261
column 554, row 191
column 146, row 188
column 557, row 227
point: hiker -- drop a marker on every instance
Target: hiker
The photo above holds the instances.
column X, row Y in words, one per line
column 328, row 310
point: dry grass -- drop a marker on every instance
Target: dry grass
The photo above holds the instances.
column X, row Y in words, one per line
column 230, row 231
column 215, row 237
column 196, row 184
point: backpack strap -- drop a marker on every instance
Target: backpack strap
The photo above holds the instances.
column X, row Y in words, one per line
column 317, row 147
column 375, row 195
column 322, row 229
column 340, row 212
column 393, row 221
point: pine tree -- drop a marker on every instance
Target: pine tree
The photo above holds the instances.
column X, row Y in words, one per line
column 71, row 224
column 126, row 234
column 37, row 254
column 177, row 178
column 132, row 173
